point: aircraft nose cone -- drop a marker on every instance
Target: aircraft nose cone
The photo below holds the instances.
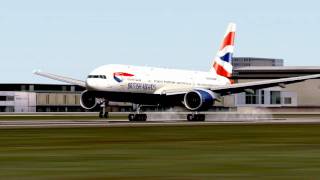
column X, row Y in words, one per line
column 90, row 83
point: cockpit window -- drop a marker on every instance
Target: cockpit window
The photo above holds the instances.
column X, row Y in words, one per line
column 97, row 76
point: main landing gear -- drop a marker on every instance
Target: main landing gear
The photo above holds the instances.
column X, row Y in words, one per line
column 137, row 116
column 103, row 109
column 196, row 117
column 103, row 115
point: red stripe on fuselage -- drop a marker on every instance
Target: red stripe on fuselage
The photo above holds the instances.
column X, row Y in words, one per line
column 228, row 40
column 123, row 74
column 221, row 71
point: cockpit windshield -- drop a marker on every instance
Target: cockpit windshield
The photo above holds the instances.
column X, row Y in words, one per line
column 97, row 76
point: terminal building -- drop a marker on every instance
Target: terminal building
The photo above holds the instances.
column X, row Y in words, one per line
column 250, row 61
column 302, row 94
column 66, row 98
column 46, row 98
column 39, row 98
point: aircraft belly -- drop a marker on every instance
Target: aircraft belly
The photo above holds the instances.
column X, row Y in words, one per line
column 139, row 98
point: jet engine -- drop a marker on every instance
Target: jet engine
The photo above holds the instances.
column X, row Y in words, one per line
column 199, row 99
column 88, row 100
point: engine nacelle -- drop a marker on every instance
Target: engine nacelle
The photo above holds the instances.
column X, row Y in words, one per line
column 88, row 100
column 199, row 99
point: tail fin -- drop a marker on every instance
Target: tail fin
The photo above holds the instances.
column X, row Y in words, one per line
column 222, row 61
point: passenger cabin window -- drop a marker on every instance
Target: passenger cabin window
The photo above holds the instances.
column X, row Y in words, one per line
column 97, row 76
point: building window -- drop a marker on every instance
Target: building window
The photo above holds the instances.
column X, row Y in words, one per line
column 275, row 97
column 6, row 98
column 6, row 109
column 47, row 99
column 287, row 100
column 64, row 88
column 10, row 109
column 77, row 99
column 31, row 87
column 64, row 99
column 23, row 87
column 252, row 98
column 10, row 98
column 3, row 98
column 262, row 97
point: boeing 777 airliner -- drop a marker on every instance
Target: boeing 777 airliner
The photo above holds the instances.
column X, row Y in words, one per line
column 194, row 90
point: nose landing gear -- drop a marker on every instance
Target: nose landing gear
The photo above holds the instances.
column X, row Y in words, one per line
column 103, row 114
column 103, row 109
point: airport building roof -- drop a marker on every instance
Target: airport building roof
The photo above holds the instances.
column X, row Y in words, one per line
column 272, row 72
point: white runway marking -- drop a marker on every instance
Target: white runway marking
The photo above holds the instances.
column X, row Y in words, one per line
column 126, row 123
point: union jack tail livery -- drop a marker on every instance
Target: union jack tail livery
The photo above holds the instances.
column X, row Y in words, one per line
column 222, row 61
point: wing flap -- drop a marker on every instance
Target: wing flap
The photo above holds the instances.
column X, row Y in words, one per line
column 172, row 90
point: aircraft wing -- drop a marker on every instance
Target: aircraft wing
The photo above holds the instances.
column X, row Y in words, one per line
column 241, row 87
column 61, row 78
column 248, row 86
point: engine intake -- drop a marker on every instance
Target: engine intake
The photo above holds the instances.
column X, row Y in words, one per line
column 199, row 99
column 88, row 100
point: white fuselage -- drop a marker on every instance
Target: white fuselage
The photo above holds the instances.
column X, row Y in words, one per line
column 151, row 80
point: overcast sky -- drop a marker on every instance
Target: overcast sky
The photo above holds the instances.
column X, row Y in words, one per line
column 73, row 37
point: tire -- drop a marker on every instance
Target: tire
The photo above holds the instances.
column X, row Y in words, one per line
column 144, row 117
column 131, row 117
column 137, row 117
column 100, row 114
column 196, row 117
column 106, row 115
column 203, row 117
column 190, row 117
column 141, row 117
column 200, row 117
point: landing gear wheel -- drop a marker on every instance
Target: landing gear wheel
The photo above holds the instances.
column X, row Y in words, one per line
column 201, row 117
column 144, row 117
column 100, row 114
column 131, row 117
column 137, row 117
column 106, row 115
column 196, row 117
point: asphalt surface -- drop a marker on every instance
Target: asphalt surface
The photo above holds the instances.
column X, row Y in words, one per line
column 126, row 123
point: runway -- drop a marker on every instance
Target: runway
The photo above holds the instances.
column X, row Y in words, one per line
column 126, row 123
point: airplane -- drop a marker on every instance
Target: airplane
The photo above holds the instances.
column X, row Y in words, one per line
column 144, row 86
